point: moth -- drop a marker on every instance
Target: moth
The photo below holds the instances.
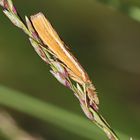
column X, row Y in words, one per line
column 51, row 39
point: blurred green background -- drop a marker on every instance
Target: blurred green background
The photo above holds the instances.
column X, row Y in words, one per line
column 104, row 36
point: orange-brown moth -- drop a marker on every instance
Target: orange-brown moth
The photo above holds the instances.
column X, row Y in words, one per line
column 50, row 38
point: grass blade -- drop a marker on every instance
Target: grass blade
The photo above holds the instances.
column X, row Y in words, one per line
column 52, row 114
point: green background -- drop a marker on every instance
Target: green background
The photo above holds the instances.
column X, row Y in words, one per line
column 105, row 37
